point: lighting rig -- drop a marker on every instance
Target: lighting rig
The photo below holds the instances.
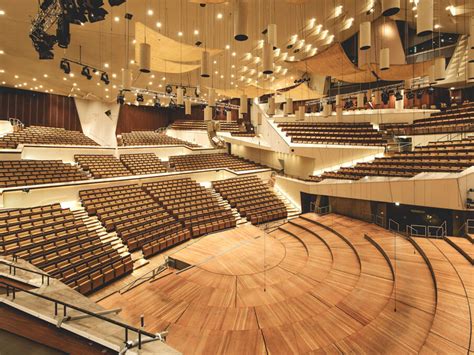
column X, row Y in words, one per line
column 65, row 66
column 63, row 13
column 140, row 93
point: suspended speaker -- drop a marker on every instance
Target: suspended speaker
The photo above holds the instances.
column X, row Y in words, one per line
column 127, row 79
column 384, row 59
column 240, row 21
column 187, row 107
column 365, row 35
column 424, row 21
column 440, row 68
column 390, row 7
column 205, row 64
column 144, row 62
column 267, row 58
column 243, row 104
column 271, row 106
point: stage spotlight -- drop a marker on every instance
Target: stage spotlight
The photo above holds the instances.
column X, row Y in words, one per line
column 86, row 72
column 65, row 66
column 46, row 54
column 140, row 98
column 156, row 102
column 168, row 89
column 105, row 78
column 431, row 90
column 45, row 4
column 419, row 94
column 62, row 32
column 398, row 96
column 116, row 2
column 120, row 98
column 410, row 95
column 108, row 113
column 385, row 97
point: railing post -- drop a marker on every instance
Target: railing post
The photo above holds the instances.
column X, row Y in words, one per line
column 55, row 309
column 126, row 335
column 139, row 339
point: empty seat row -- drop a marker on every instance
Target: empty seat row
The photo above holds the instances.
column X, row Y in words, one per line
column 131, row 212
column 252, row 198
column 102, row 166
column 44, row 135
column 211, row 161
column 63, row 246
column 192, row 204
column 142, row 164
column 137, row 138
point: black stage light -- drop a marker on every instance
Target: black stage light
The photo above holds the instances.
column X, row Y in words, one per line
column 96, row 15
column 46, row 54
column 65, row 66
column 398, row 96
column 116, row 2
column 108, row 113
column 385, row 97
column 168, row 89
column 156, row 102
column 431, row 90
column 62, row 32
column 410, row 95
column 120, row 98
column 45, row 4
column 140, row 98
column 105, row 78
column 419, row 94
column 86, row 72
column 128, row 16
column 197, row 91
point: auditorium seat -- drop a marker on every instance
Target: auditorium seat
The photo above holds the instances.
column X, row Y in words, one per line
column 252, row 198
column 52, row 239
column 211, row 161
column 142, row 164
column 242, row 134
column 102, row 166
column 333, row 133
column 44, row 135
column 137, row 138
column 189, row 125
column 34, row 172
column 131, row 213
column 443, row 157
column 454, row 119
column 192, row 204
column 228, row 126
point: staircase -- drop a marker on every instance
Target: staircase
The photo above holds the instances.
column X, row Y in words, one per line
column 93, row 224
column 292, row 210
column 239, row 220
column 456, row 70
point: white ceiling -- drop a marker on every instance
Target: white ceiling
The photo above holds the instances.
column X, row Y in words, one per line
column 103, row 44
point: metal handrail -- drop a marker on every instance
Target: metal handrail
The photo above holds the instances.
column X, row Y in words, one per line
column 145, row 277
column 412, row 231
column 469, row 225
column 322, row 210
column 390, row 222
column 12, row 270
column 12, row 289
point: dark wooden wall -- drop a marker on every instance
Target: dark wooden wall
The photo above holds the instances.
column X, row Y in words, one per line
column 142, row 118
column 40, row 109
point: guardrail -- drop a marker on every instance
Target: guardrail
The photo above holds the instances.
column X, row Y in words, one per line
column 12, row 290
column 12, row 270
column 421, row 230
column 393, row 226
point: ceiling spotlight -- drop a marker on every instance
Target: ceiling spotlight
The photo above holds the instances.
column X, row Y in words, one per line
column 95, row 12
column 419, row 94
column 385, row 97
column 410, row 95
column 398, row 96
column 156, row 102
column 108, row 113
column 105, row 78
column 62, row 32
column 120, row 98
column 116, row 2
column 86, row 72
column 140, row 98
column 431, row 90
column 65, row 66
column 168, row 89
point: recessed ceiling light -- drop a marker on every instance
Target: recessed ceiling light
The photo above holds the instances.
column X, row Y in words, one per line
column 216, row 72
column 3, row 82
column 134, row 41
column 45, row 75
column 116, row 19
column 232, row 66
column 132, row 62
column 74, row 84
column 437, row 26
column 114, row 86
column 106, row 65
column 219, row 16
column 150, row 12
column 163, row 78
column 64, row 78
column 106, row 89
column 1, row 51
column 71, row 75
column 34, row 79
column 180, row 33
column 150, row 83
column 233, row 54
column 196, row 32
column 106, row 96
column 227, row 46
column 2, row 12
column 158, row 24
column 215, row 62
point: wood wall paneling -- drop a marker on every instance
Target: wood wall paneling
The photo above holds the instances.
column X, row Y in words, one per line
column 142, row 118
column 40, row 109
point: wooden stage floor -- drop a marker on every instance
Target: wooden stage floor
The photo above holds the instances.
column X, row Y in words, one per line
column 300, row 289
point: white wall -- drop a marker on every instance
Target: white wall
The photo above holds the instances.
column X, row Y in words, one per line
column 194, row 136
column 95, row 123
column 5, row 127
